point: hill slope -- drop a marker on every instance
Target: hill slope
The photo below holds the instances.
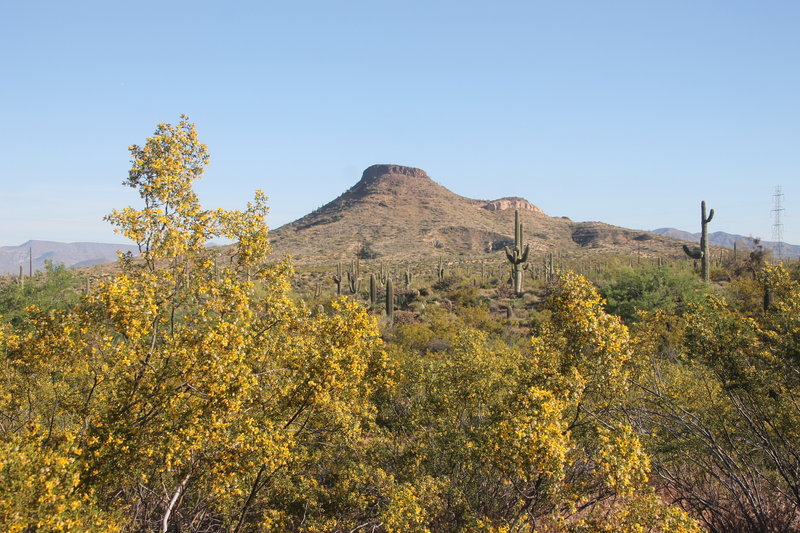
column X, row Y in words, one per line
column 397, row 212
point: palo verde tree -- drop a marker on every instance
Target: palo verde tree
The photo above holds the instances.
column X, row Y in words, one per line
column 188, row 392
column 720, row 404
column 487, row 436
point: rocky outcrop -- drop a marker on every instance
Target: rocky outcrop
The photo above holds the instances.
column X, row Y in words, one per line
column 597, row 234
column 514, row 202
column 376, row 171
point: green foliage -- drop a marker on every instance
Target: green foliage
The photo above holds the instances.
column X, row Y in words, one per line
column 55, row 288
column 648, row 288
column 722, row 412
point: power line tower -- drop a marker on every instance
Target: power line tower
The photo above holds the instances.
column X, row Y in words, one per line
column 777, row 225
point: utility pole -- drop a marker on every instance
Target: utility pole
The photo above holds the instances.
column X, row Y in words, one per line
column 777, row 225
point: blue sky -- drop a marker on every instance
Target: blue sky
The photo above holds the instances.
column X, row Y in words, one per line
column 624, row 112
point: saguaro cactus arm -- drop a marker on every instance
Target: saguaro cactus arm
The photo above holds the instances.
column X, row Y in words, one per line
column 706, row 219
column 694, row 253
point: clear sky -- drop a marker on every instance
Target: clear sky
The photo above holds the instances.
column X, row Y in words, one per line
column 628, row 112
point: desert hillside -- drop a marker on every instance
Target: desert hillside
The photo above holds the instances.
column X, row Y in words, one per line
column 396, row 212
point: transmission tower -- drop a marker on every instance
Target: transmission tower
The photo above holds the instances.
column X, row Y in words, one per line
column 777, row 225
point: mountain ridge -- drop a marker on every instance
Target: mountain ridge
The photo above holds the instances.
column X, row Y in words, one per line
column 396, row 212
column 35, row 253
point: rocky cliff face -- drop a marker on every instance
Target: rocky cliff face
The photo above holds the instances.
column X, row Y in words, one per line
column 512, row 203
column 377, row 171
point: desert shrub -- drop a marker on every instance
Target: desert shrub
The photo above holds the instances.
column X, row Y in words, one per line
column 57, row 287
column 648, row 288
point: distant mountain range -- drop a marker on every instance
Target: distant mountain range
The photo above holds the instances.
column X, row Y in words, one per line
column 74, row 254
column 720, row 238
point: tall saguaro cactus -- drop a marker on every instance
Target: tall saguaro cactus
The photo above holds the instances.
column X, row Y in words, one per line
column 337, row 279
column 354, row 277
column 373, row 290
column 518, row 255
column 383, row 275
column 702, row 253
column 408, row 277
column 390, row 300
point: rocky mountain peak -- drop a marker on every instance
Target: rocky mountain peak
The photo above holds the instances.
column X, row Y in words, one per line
column 376, row 171
column 396, row 212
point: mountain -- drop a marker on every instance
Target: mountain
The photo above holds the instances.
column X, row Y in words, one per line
column 398, row 213
column 75, row 254
column 720, row 238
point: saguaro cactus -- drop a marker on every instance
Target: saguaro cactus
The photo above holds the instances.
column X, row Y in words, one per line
column 702, row 252
column 353, row 277
column 373, row 290
column 390, row 300
column 517, row 256
column 408, row 277
column 337, row 279
column 383, row 275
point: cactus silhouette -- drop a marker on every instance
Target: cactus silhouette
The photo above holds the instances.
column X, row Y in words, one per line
column 408, row 277
column 382, row 275
column 337, row 278
column 390, row 300
column 353, row 277
column 702, row 252
column 373, row 290
column 518, row 255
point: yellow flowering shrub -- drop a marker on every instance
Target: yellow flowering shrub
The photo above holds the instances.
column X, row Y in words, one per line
column 519, row 439
column 191, row 388
column 189, row 392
